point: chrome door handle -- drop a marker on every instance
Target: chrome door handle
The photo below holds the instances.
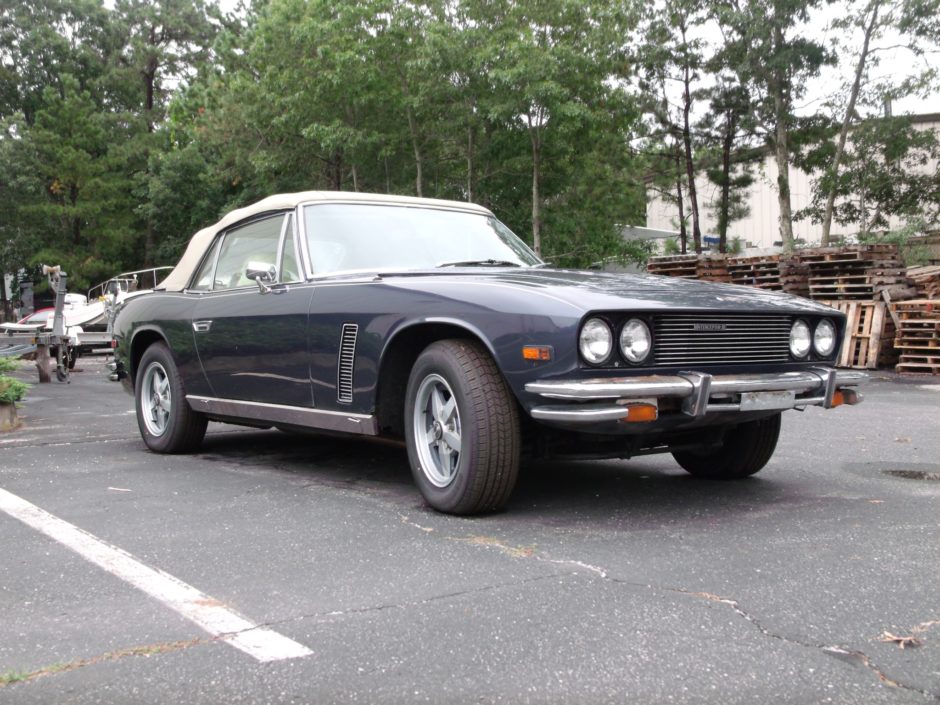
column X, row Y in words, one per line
column 202, row 326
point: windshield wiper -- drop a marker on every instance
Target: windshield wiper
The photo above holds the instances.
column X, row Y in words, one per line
column 479, row 263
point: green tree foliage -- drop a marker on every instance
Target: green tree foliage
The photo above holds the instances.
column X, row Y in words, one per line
column 726, row 138
column 125, row 128
column 772, row 55
column 889, row 168
column 513, row 107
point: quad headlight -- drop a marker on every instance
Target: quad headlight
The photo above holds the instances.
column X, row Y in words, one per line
column 635, row 340
column 595, row 341
column 801, row 340
column 824, row 338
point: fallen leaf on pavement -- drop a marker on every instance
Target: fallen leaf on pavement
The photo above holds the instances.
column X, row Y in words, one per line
column 902, row 641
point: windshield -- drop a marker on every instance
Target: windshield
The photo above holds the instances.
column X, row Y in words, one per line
column 352, row 237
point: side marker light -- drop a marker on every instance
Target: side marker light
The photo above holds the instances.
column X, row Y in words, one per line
column 640, row 413
column 537, row 352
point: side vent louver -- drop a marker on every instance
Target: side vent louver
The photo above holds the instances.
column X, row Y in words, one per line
column 347, row 358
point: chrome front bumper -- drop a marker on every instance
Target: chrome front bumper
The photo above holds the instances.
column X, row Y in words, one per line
column 609, row 399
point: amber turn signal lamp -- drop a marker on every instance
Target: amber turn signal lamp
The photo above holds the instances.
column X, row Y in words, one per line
column 838, row 399
column 537, row 352
column 640, row 413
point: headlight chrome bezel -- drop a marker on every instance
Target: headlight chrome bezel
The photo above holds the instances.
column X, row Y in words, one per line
column 825, row 323
column 636, row 325
column 803, row 326
column 583, row 342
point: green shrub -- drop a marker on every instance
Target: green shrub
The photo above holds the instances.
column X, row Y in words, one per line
column 11, row 389
column 912, row 249
column 671, row 247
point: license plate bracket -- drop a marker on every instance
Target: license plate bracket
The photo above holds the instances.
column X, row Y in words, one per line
column 766, row 401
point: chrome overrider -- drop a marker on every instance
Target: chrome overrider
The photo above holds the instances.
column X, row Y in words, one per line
column 700, row 393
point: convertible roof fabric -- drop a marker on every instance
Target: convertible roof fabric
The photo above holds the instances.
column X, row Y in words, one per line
column 183, row 272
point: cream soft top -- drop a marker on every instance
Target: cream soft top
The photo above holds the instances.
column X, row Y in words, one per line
column 183, row 272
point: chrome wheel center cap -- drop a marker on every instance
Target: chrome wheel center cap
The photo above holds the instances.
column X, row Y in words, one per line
column 437, row 431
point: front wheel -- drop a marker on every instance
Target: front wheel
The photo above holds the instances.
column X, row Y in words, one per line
column 164, row 418
column 746, row 449
column 461, row 429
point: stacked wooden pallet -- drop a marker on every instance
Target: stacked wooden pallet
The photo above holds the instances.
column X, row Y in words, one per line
column 918, row 336
column 926, row 279
column 762, row 272
column 773, row 272
column 707, row 268
column 860, row 272
column 684, row 266
column 794, row 278
column 868, row 333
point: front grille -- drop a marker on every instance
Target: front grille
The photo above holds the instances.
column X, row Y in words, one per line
column 715, row 339
column 347, row 359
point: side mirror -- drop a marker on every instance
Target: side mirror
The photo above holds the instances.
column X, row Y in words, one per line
column 262, row 274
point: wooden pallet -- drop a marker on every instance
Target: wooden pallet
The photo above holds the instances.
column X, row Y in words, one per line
column 861, row 272
column 868, row 325
column 918, row 336
column 707, row 268
column 879, row 252
column 926, row 279
column 685, row 266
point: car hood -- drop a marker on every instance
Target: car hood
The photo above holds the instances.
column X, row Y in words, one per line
column 596, row 291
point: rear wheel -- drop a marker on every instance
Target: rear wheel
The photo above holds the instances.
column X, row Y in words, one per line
column 461, row 428
column 745, row 450
column 166, row 422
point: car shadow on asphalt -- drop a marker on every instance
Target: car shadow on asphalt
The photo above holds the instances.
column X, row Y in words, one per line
column 648, row 492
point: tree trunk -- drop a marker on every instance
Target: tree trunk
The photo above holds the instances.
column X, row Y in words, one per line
column 149, row 245
column 355, row 177
column 536, row 196
column 689, row 163
column 724, row 207
column 683, row 235
column 470, row 163
column 782, row 153
column 833, row 170
column 336, row 171
column 419, row 167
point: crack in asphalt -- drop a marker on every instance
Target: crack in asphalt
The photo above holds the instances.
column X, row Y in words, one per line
column 323, row 617
column 17, row 443
column 850, row 656
column 13, row 677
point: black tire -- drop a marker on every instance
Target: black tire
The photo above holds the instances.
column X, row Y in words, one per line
column 486, row 426
column 746, row 449
column 178, row 429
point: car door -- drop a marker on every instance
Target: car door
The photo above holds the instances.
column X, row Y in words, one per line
column 252, row 343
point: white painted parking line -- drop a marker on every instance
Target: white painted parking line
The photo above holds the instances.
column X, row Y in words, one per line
column 256, row 641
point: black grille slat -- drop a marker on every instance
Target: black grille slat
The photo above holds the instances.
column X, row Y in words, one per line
column 743, row 339
column 347, row 359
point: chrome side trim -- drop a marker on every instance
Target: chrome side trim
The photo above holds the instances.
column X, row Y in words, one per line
column 579, row 414
column 363, row 424
column 613, row 388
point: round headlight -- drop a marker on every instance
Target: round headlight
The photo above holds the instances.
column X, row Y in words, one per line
column 800, row 339
column 595, row 340
column 635, row 340
column 824, row 338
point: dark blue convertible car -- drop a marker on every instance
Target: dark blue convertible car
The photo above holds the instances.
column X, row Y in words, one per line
column 429, row 321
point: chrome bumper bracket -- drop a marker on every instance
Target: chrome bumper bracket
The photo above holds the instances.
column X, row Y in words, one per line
column 696, row 404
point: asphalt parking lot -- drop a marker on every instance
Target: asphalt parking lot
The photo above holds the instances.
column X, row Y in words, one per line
column 603, row 582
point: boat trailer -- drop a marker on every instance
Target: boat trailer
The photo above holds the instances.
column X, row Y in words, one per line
column 55, row 350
